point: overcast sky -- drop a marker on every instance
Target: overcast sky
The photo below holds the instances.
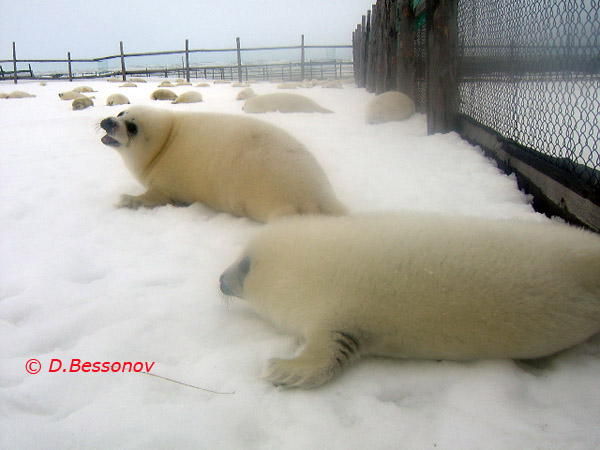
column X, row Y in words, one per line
column 49, row 29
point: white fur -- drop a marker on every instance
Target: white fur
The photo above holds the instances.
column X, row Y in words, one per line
column 245, row 94
column 389, row 106
column 282, row 102
column 117, row 99
column 419, row 286
column 163, row 94
column 188, row 97
column 82, row 103
column 231, row 163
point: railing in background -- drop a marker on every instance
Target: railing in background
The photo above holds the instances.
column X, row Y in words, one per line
column 288, row 71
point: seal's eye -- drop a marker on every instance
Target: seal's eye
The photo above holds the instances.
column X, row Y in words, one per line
column 121, row 113
column 132, row 128
column 244, row 266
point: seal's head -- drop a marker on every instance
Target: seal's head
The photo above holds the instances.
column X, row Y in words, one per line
column 139, row 134
column 119, row 130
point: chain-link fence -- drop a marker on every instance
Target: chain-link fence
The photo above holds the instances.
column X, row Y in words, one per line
column 530, row 70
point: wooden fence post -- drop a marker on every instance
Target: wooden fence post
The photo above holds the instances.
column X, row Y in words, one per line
column 405, row 74
column 187, row 60
column 239, row 59
column 442, row 65
column 302, row 59
column 123, row 71
column 14, row 49
column 69, row 64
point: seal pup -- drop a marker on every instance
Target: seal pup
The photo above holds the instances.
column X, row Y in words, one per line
column 82, row 103
column 418, row 285
column 117, row 99
column 19, row 94
column 166, row 84
column 230, row 163
column 82, row 89
column 282, row 102
column 389, row 106
column 245, row 94
column 128, row 84
column 289, row 85
column 188, row 97
column 163, row 94
column 71, row 95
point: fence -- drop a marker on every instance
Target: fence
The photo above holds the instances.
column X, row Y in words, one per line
column 288, row 71
column 519, row 78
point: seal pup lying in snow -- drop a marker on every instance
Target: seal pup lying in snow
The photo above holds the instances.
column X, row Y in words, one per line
column 231, row 163
column 418, row 286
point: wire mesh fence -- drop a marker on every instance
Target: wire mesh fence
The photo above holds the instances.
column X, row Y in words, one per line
column 530, row 70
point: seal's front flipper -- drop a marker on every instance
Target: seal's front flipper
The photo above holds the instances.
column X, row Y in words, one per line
column 322, row 359
column 149, row 199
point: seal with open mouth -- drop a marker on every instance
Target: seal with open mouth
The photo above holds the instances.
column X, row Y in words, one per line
column 230, row 163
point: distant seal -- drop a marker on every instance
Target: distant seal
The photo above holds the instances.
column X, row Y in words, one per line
column 418, row 286
column 333, row 84
column 245, row 94
column 203, row 85
column 138, row 80
column 128, row 84
column 82, row 89
column 230, row 163
column 82, row 103
column 388, row 107
column 19, row 94
column 117, row 99
column 289, row 85
column 71, row 95
column 163, row 94
column 282, row 102
column 166, row 84
column 188, row 97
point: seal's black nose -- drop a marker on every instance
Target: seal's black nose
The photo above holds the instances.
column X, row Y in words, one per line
column 223, row 285
column 108, row 125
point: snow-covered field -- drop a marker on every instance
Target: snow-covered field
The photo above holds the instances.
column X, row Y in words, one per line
column 83, row 280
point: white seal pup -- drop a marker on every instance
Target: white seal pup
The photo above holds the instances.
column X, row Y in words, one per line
column 71, row 95
column 166, row 84
column 418, row 286
column 19, row 94
column 82, row 89
column 82, row 103
column 288, row 85
column 282, row 102
column 117, row 99
column 163, row 94
column 128, row 84
column 245, row 94
column 230, row 163
column 333, row 84
column 388, row 107
column 188, row 97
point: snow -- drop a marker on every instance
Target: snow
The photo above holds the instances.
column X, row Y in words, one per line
column 84, row 280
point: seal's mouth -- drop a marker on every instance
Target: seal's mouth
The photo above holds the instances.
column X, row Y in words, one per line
column 109, row 140
column 109, row 125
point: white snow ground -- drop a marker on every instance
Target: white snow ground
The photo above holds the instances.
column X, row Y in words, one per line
column 84, row 280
